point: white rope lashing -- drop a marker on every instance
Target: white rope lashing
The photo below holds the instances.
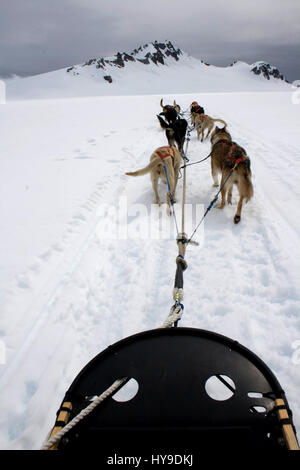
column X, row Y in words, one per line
column 173, row 316
column 86, row 411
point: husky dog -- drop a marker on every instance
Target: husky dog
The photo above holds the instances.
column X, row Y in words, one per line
column 195, row 110
column 169, row 112
column 225, row 157
column 203, row 122
column 175, row 132
column 162, row 159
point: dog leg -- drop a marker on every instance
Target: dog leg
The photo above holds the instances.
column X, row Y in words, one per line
column 154, row 181
column 214, row 174
column 173, row 178
column 223, row 196
column 223, row 192
column 237, row 216
column 202, row 134
column 208, row 131
column 176, row 176
column 229, row 195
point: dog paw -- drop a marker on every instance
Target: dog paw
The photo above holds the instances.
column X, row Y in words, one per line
column 216, row 185
column 236, row 219
column 220, row 206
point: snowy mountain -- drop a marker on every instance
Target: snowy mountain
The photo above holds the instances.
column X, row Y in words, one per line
column 156, row 52
column 158, row 67
column 87, row 258
column 159, row 53
column 267, row 71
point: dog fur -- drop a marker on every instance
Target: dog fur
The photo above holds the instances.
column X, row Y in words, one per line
column 203, row 122
column 175, row 132
column 170, row 112
column 224, row 152
column 169, row 157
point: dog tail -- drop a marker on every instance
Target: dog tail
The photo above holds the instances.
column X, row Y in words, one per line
column 220, row 120
column 162, row 122
column 250, row 191
column 143, row 171
column 248, row 182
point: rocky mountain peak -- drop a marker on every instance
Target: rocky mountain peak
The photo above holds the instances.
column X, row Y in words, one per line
column 155, row 52
column 267, row 70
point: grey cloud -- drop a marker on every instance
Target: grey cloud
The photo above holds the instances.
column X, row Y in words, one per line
column 38, row 36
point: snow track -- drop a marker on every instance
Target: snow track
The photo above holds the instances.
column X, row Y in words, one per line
column 78, row 291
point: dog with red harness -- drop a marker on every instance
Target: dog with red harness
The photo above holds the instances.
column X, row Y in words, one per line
column 164, row 164
column 227, row 157
column 196, row 110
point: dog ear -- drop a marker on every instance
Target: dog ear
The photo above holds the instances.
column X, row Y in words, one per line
column 177, row 107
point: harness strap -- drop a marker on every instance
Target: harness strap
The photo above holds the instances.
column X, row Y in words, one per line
column 223, row 141
column 197, row 109
column 235, row 160
column 166, row 152
column 231, row 146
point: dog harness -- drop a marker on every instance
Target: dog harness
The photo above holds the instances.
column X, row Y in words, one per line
column 235, row 153
column 166, row 152
column 197, row 109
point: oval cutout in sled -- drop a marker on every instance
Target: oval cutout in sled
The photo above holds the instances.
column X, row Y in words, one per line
column 127, row 392
column 258, row 409
column 220, row 387
column 255, row 394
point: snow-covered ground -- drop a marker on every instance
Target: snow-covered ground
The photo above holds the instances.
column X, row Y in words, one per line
column 77, row 275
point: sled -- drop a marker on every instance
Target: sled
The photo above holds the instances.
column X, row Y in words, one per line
column 197, row 390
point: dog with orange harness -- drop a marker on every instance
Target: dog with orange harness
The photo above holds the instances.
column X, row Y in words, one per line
column 165, row 165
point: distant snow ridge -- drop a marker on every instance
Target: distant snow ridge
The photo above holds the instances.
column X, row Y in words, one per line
column 267, row 70
column 155, row 52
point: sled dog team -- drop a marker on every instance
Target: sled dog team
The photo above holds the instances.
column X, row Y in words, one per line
column 226, row 156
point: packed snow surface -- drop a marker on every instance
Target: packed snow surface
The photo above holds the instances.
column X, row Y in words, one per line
column 85, row 262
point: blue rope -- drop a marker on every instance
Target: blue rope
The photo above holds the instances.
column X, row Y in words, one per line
column 210, row 206
column 168, row 183
column 171, row 198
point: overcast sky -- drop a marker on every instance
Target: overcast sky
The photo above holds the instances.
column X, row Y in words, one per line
column 41, row 35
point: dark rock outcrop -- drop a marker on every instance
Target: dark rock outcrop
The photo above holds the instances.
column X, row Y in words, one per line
column 108, row 78
column 267, row 71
